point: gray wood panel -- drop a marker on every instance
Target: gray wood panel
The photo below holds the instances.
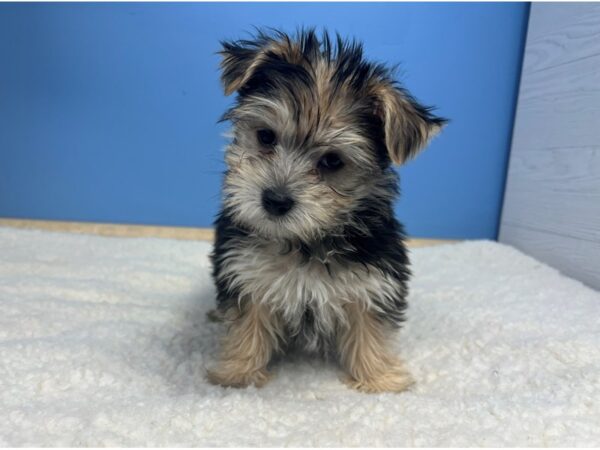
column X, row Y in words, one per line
column 552, row 199
column 573, row 257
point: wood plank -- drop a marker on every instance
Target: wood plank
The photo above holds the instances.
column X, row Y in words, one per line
column 561, row 33
column 125, row 230
column 556, row 190
column 572, row 257
column 547, row 21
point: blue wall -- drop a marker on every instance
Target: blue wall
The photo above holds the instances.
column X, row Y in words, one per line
column 108, row 111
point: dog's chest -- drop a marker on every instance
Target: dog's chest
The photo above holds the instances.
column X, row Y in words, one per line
column 293, row 284
column 308, row 293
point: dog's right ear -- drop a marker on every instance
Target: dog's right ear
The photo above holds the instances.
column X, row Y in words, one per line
column 240, row 61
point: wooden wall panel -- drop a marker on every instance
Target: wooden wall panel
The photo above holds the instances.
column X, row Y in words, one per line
column 552, row 199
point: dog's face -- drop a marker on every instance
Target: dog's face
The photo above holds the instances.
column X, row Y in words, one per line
column 315, row 129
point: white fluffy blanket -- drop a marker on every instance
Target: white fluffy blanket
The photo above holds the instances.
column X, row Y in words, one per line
column 104, row 341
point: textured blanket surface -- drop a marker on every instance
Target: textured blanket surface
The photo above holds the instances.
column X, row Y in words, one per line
column 104, row 342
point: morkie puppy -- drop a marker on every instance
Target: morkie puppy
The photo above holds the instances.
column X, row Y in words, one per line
column 308, row 254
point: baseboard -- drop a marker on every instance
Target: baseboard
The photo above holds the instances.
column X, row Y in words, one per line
column 126, row 230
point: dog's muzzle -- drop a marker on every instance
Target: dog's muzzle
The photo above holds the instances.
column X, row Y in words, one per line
column 277, row 203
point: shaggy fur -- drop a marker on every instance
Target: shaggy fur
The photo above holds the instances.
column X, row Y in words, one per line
column 308, row 253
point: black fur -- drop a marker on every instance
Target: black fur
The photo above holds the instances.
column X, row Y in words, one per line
column 372, row 236
column 381, row 247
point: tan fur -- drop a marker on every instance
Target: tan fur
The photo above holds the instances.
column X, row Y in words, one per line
column 252, row 338
column 306, row 276
column 287, row 50
column 364, row 353
column 237, row 83
column 323, row 202
column 400, row 119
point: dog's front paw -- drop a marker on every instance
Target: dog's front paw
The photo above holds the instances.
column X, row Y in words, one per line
column 223, row 376
column 396, row 379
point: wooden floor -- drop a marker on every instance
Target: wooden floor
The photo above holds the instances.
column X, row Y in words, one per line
column 111, row 229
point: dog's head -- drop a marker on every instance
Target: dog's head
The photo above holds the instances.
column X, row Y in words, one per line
column 315, row 130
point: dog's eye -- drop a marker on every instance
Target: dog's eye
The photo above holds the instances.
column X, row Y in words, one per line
column 331, row 162
column 266, row 137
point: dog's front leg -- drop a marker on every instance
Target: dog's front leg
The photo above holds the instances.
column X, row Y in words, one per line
column 363, row 346
column 252, row 337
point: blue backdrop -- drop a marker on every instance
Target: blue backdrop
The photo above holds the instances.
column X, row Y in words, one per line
column 108, row 111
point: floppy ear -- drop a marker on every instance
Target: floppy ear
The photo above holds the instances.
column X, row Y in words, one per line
column 240, row 60
column 408, row 126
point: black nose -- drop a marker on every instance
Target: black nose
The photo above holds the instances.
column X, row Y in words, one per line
column 276, row 203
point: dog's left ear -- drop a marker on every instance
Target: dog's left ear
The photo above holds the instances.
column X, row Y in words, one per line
column 408, row 126
column 240, row 60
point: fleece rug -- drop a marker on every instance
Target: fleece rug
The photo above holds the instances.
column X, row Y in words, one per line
column 104, row 342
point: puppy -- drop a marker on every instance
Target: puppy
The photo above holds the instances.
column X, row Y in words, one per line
column 308, row 254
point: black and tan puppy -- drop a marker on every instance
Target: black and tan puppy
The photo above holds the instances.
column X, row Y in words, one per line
column 308, row 253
